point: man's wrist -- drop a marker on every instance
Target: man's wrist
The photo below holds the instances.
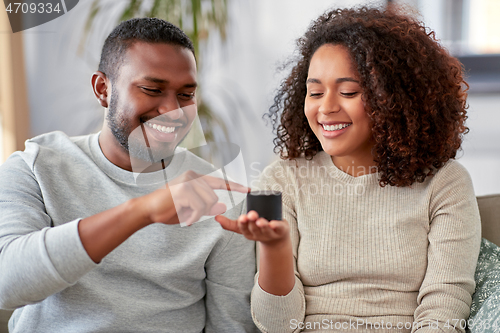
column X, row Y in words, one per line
column 137, row 209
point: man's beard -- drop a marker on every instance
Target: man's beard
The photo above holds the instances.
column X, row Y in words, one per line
column 133, row 141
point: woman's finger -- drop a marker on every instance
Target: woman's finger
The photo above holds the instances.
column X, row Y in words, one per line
column 253, row 215
column 255, row 227
column 228, row 224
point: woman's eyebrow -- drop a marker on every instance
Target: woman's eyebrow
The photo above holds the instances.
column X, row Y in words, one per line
column 311, row 80
column 346, row 79
column 339, row 80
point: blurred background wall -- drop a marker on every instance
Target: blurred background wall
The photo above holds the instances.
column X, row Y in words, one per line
column 240, row 75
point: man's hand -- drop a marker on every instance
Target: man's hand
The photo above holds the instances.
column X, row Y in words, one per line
column 187, row 198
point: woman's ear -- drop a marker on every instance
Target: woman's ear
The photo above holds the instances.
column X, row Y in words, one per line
column 101, row 87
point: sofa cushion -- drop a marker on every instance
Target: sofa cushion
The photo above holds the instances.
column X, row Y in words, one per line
column 4, row 319
column 489, row 209
column 485, row 308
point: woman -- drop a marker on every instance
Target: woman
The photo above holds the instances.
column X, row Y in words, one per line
column 380, row 227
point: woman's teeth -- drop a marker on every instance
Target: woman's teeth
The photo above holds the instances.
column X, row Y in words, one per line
column 160, row 128
column 335, row 127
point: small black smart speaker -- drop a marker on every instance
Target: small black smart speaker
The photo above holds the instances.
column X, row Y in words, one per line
column 266, row 203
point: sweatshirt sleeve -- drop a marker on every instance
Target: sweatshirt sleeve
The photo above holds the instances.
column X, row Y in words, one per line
column 36, row 260
column 273, row 313
column 454, row 237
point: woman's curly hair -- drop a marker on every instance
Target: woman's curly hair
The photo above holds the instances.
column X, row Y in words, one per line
column 413, row 90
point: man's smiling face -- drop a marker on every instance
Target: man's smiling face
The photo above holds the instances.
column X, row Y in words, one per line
column 152, row 102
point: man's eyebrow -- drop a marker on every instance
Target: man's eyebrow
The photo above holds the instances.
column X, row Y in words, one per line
column 161, row 81
column 155, row 80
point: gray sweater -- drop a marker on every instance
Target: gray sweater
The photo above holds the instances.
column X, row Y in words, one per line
column 164, row 278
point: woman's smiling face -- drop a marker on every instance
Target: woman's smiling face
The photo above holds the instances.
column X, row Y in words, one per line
column 334, row 106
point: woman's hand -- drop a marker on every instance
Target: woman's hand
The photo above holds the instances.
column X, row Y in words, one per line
column 276, row 274
column 257, row 229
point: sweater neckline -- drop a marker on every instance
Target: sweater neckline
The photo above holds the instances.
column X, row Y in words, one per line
column 134, row 178
column 325, row 159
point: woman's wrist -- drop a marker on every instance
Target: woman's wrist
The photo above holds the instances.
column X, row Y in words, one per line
column 276, row 274
column 277, row 244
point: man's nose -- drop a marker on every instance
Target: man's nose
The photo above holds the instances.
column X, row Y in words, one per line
column 172, row 108
column 173, row 114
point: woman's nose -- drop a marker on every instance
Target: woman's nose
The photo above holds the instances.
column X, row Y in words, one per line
column 329, row 104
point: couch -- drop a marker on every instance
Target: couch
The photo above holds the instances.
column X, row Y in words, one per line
column 489, row 208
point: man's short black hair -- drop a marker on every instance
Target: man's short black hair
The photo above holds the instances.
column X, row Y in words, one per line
column 149, row 30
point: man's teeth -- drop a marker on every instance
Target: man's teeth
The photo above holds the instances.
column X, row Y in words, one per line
column 334, row 127
column 160, row 128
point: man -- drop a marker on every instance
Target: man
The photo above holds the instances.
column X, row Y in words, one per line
column 80, row 249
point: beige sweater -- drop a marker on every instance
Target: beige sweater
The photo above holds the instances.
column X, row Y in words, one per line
column 371, row 258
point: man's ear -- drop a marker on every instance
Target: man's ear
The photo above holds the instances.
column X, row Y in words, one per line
column 101, row 87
